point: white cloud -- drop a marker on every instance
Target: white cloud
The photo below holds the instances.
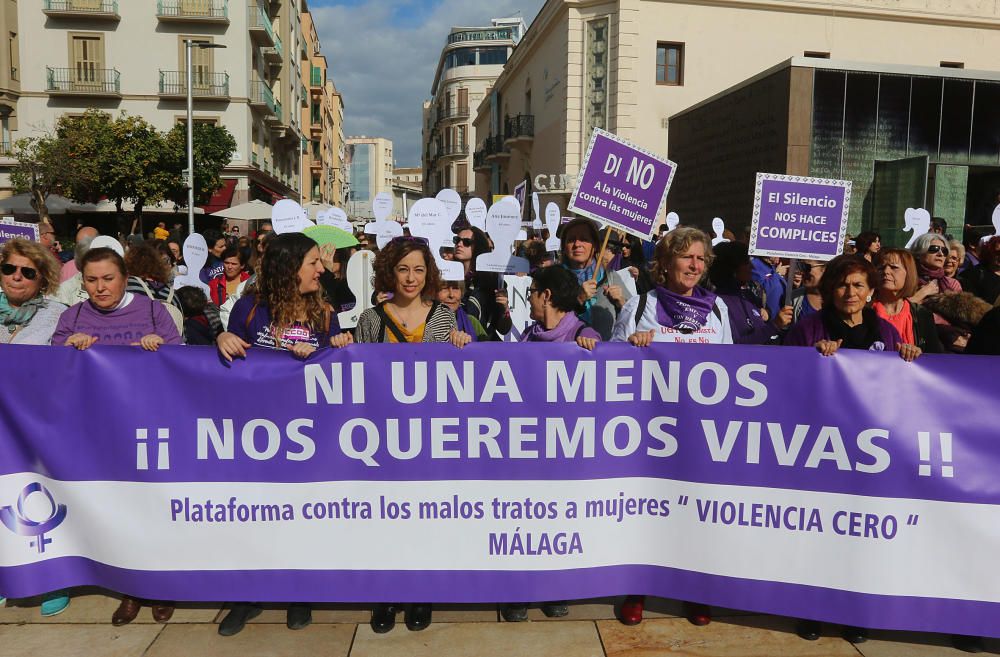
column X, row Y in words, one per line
column 382, row 57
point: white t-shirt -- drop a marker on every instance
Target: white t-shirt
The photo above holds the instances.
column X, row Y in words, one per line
column 715, row 331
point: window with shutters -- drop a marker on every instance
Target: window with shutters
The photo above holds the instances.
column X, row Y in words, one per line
column 87, row 61
column 463, row 99
column 202, row 63
column 462, row 177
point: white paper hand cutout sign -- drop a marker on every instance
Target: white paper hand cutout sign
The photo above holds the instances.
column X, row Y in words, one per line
column 452, row 204
column 387, row 231
column 360, row 279
column 996, row 220
column 335, row 217
column 475, row 212
column 429, row 220
column 287, row 216
column 536, row 222
column 673, row 220
column 503, row 222
column 382, row 206
column 718, row 227
column 552, row 219
column 919, row 221
column 195, row 252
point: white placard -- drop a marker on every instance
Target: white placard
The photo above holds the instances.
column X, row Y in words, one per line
column 335, row 217
column 287, row 216
column 475, row 212
column 382, row 206
column 536, row 222
column 452, row 203
column 429, row 220
column 520, row 308
column 552, row 220
column 718, row 227
column 387, row 231
column 919, row 221
column 503, row 222
column 360, row 279
column 673, row 221
column 522, row 235
column 195, row 252
column 628, row 282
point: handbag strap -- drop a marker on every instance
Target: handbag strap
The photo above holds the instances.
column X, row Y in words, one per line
column 387, row 323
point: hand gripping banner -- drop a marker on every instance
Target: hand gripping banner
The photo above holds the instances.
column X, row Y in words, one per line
column 857, row 489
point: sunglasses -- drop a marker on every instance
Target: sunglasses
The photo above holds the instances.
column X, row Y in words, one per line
column 403, row 239
column 464, row 241
column 937, row 248
column 9, row 269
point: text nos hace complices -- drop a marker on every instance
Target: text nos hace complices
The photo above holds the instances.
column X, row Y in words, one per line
column 560, row 427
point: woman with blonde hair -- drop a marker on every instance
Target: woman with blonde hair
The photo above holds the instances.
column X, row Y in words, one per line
column 914, row 323
column 29, row 273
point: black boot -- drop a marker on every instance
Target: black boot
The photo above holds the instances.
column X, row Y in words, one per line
column 417, row 616
column 237, row 618
column 514, row 613
column 809, row 630
column 299, row 616
column 383, row 619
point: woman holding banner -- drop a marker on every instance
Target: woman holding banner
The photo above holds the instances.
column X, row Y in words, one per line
column 913, row 322
column 603, row 292
column 406, row 268
column 286, row 310
column 846, row 320
column 678, row 309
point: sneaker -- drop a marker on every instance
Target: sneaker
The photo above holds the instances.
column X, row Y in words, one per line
column 556, row 609
column 417, row 616
column 54, row 604
column 631, row 611
column 237, row 618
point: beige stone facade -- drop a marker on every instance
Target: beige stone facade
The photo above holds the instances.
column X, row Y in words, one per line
column 129, row 55
column 323, row 113
column 470, row 61
column 629, row 65
column 369, row 163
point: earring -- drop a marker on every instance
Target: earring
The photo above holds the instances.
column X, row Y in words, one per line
column 869, row 299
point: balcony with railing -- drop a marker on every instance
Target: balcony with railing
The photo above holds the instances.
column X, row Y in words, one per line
column 276, row 53
column 261, row 97
column 520, row 129
column 204, row 85
column 452, row 113
column 83, row 80
column 91, row 9
column 479, row 161
column 193, row 11
column 496, row 148
column 254, row 159
column 316, row 79
column 6, row 149
column 259, row 24
column 454, row 150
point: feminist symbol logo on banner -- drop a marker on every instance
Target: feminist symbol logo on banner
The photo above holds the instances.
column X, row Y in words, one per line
column 20, row 521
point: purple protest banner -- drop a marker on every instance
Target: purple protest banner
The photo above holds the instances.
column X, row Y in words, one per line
column 622, row 185
column 856, row 489
column 11, row 229
column 799, row 217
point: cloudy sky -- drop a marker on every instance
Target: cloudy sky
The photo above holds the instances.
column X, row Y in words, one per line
column 383, row 54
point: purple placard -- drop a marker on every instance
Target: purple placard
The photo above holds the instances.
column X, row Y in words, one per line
column 11, row 229
column 622, row 185
column 799, row 217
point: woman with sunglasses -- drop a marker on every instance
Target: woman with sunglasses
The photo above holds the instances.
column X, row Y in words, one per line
column 406, row 269
column 29, row 274
column 931, row 252
column 484, row 300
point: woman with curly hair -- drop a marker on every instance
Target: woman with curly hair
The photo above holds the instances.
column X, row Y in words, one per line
column 406, row 269
column 287, row 309
column 28, row 315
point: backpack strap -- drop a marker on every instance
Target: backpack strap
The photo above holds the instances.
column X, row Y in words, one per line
column 145, row 288
column 716, row 311
column 641, row 308
column 170, row 296
column 253, row 311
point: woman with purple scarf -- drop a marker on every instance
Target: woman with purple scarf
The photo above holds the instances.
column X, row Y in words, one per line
column 931, row 252
column 677, row 309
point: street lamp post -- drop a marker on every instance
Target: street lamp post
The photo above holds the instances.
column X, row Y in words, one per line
column 188, row 45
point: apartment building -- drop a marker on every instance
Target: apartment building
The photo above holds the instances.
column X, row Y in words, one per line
column 369, row 161
column 10, row 76
column 323, row 113
column 129, row 55
column 629, row 65
column 470, row 61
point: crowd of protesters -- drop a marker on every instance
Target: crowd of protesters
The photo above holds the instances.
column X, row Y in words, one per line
column 284, row 292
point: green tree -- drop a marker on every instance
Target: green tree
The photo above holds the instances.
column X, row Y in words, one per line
column 87, row 147
column 38, row 171
column 213, row 150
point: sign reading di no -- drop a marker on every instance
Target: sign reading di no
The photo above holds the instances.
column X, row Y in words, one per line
column 622, row 185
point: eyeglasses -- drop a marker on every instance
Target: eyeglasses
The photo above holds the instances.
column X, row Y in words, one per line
column 464, row 241
column 403, row 239
column 8, row 270
column 534, row 290
column 937, row 248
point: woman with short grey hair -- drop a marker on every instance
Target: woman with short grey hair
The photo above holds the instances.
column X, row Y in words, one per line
column 930, row 250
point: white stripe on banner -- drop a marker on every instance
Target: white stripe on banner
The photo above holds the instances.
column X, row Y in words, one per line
column 867, row 544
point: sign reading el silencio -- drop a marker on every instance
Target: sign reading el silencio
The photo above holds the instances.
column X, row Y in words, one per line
column 799, row 217
column 622, row 185
column 11, row 229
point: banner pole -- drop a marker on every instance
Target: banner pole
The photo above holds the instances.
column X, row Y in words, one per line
column 600, row 254
column 793, row 264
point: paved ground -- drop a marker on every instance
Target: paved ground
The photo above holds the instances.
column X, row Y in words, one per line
column 467, row 631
